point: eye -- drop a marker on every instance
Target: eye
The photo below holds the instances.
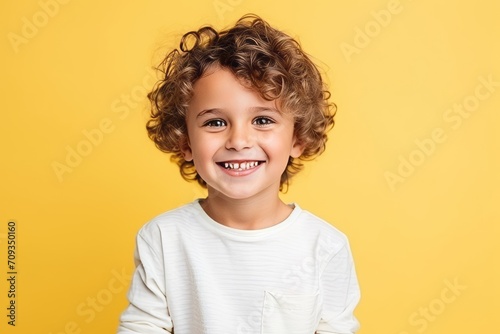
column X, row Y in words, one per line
column 215, row 123
column 263, row 121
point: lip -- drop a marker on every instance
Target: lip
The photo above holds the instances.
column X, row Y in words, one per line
column 239, row 172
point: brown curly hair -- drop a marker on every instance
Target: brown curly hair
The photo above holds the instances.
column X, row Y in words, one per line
column 270, row 61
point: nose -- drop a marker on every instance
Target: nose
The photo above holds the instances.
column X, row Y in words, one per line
column 239, row 137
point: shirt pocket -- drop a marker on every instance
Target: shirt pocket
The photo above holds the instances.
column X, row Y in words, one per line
column 290, row 314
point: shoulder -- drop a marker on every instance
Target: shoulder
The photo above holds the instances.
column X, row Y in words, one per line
column 323, row 232
column 171, row 221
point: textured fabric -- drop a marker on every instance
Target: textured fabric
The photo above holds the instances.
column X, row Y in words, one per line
column 195, row 275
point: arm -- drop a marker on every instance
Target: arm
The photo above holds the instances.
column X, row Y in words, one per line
column 340, row 290
column 148, row 310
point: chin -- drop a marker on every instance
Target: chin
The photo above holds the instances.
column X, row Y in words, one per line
column 232, row 195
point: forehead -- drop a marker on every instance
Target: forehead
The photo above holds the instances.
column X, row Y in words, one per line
column 219, row 87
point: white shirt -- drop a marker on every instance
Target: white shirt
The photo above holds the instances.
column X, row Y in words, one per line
column 197, row 276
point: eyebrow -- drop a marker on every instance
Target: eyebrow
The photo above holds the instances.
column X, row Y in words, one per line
column 252, row 109
column 208, row 111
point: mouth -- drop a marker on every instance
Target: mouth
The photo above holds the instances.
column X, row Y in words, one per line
column 240, row 165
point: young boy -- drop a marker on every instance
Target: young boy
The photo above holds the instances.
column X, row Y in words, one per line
column 239, row 110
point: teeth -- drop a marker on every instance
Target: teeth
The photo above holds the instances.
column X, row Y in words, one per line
column 241, row 166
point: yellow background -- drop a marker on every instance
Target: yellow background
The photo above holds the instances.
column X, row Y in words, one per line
column 86, row 65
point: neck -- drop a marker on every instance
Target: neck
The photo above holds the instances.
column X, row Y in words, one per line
column 246, row 214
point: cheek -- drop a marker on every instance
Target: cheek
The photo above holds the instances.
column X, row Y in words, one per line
column 204, row 148
column 278, row 147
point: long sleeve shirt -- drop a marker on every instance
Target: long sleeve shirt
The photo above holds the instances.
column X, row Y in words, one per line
column 196, row 276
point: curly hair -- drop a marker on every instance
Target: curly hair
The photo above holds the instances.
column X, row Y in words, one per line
column 270, row 61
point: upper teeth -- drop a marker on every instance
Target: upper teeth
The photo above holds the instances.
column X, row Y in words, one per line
column 241, row 166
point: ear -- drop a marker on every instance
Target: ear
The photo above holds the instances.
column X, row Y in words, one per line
column 186, row 149
column 297, row 148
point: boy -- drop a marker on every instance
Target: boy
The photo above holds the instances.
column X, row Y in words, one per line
column 238, row 110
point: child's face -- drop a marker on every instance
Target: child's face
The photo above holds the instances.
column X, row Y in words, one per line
column 239, row 142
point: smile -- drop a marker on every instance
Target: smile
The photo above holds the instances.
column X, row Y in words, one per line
column 240, row 166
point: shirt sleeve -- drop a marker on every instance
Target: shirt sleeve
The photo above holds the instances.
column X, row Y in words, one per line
column 147, row 311
column 340, row 290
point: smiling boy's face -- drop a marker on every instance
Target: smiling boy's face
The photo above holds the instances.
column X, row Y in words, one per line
column 239, row 142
